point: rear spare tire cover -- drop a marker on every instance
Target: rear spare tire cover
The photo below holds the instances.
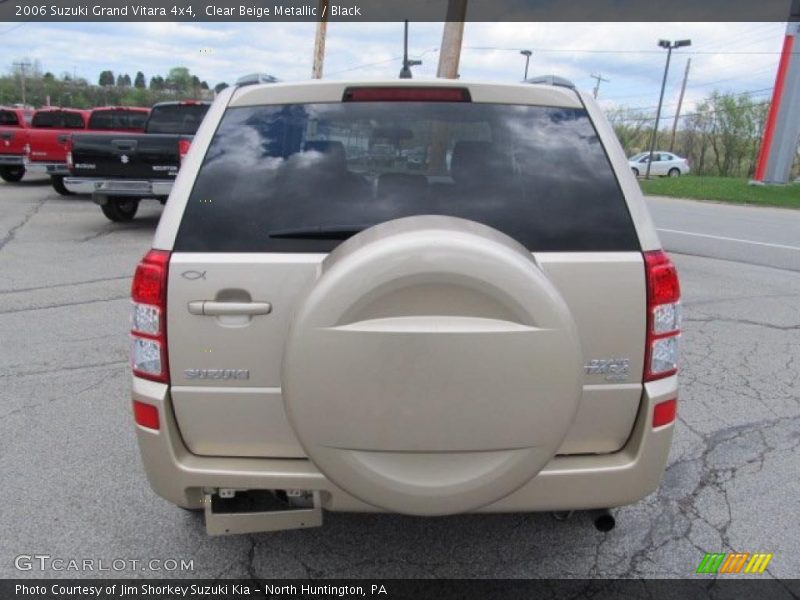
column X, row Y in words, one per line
column 433, row 368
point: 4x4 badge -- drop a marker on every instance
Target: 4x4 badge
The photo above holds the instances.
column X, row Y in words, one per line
column 615, row 369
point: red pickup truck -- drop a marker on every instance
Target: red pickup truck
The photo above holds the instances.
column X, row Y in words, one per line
column 48, row 138
column 14, row 126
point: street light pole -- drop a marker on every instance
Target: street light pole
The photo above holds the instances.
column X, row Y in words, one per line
column 527, row 55
column 670, row 46
column 405, row 72
column 22, row 65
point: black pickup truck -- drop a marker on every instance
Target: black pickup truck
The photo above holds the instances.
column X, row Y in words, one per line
column 119, row 170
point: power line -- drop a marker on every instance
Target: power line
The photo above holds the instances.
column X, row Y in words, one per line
column 611, row 51
column 694, row 114
column 629, row 109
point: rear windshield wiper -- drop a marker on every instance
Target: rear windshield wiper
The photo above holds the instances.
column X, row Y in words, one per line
column 320, row 232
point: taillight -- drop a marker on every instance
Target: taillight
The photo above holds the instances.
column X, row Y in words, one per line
column 149, row 317
column 663, row 316
column 68, row 147
column 406, row 94
column 26, row 150
column 183, row 148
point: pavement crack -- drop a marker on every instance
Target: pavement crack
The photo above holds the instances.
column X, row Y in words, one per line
column 744, row 322
column 60, row 285
column 63, row 304
column 250, row 565
column 9, row 237
column 102, row 365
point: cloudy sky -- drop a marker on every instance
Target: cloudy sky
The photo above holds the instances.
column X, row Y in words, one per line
column 737, row 57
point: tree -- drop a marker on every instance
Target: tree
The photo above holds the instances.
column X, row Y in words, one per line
column 203, row 85
column 106, row 78
column 179, row 79
column 157, row 83
column 633, row 128
column 120, row 80
column 220, row 86
column 139, row 81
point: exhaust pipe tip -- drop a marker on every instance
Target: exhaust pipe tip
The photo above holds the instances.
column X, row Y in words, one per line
column 603, row 520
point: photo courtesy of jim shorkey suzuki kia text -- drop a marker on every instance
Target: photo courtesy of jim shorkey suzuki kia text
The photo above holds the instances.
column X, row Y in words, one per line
column 191, row 590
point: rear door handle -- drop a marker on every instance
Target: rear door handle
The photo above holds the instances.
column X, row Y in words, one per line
column 211, row 308
column 124, row 145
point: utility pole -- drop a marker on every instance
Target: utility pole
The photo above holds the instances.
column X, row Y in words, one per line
column 670, row 46
column 599, row 78
column 782, row 127
column 319, row 41
column 449, row 57
column 405, row 72
column 22, row 65
column 527, row 55
column 453, row 35
column 680, row 103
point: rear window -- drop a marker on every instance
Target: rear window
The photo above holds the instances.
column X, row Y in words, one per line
column 177, row 118
column 301, row 178
column 117, row 119
column 57, row 119
column 8, row 118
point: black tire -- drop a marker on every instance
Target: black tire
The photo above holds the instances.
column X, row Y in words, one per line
column 120, row 210
column 58, row 185
column 674, row 173
column 12, row 174
column 635, row 172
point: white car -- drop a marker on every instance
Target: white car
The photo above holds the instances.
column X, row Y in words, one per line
column 664, row 163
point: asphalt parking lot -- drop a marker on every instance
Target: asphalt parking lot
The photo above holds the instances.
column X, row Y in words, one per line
column 74, row 487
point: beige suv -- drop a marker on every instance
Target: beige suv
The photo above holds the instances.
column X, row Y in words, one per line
column 421, row 297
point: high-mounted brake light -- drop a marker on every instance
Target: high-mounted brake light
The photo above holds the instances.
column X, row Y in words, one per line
column 149, row 317
column 663, row 316
column 406, row 94
column 183, row 148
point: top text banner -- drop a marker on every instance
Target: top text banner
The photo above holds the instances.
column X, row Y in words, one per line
column 398, row 10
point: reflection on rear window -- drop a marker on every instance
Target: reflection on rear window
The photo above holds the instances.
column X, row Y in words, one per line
column 538, row 174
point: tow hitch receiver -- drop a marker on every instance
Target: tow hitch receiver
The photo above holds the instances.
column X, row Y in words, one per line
column 230, row 513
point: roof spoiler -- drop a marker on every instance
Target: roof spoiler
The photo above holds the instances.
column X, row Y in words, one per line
column 255, row 78
column 551, row 80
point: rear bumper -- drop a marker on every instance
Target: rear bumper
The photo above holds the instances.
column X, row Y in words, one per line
column 12, row 160
column 50, row 168
column 566, row 483
column 135, row 188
